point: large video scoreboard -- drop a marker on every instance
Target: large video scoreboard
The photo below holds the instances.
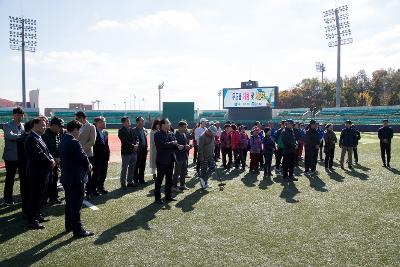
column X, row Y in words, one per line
column 250, row 97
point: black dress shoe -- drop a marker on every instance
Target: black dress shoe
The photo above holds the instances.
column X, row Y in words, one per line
column 55, row 201
column 159, row 201
column 131, row 185
column 143, row 182
column 83, row 233
column 35, row 225
column 68, row 229
column 96, row 194
column 170, row 199
column 293, row 179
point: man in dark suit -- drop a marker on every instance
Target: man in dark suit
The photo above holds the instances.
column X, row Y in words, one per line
column 23, row 179
column 75, row 167
column 140, row 166
column 289, row 151
column 101, row 155
column 39, row 164
column 166, row 145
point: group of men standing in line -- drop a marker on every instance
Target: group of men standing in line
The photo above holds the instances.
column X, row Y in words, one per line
column 41, row 150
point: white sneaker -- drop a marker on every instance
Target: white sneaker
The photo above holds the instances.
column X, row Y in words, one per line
column 208, row 185
column 202, row 183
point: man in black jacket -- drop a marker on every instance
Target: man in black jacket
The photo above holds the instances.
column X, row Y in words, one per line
column 39, row 164
column 279, row 150
column 101, row 156
column 52, row 137
column 140, row 166
column 355, row 150
column 347, row 141
column 23, row 179
column 75, row 166
column 166, row 145
column 129, row 147
column 181, row 158
column 289, row 151
column 385, row 134
column 311, row 144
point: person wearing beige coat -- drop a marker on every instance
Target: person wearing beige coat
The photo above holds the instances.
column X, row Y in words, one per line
column 87, row 138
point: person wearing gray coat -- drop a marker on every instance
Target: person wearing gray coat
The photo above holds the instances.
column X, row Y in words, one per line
column 12, row 131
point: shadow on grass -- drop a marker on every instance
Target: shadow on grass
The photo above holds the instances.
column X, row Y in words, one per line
column 335, row 176
column 267, row 181
column 12, row 226
column 361, row 167
column 250, row 179
column 359, row 175
column 289, row 191
column 4, row 209
column 317, row 183
column 140, row 220
column 187, row 204
column 395, row 171
column 37, row 252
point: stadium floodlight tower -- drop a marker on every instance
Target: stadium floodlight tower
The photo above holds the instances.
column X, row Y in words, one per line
column 160, row 86
column 23, row 38
column 320, row 67
column 337, row 29
column 219, row 99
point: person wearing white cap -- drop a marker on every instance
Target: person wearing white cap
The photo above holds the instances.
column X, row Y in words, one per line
column 206, row 155
column 197, row 133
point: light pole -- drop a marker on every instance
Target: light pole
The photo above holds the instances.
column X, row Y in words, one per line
column 219, row 99
column 338, row 26
column 160, row 86
column 320, row 67
column 134, row 102
column 98, row 104
column 125, row 105
column 115, row 107
column 23, row 37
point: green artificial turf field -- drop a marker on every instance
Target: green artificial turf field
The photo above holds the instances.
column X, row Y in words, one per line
column 346, row 218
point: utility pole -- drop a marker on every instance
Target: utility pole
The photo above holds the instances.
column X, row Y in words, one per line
column 219, row 99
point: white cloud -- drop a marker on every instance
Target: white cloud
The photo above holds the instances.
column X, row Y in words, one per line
column 180, row 20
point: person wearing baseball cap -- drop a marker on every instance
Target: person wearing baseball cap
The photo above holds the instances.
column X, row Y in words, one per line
column 206, row 148
column 52, row 138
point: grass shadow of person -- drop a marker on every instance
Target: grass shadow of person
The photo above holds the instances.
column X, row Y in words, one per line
column 12, row 226
column 361, row 167
column 249, row 179
column 187, row 203
column 267, row 181
column 335, row 176
column 140, row 220
column 317, row 183
column 394, row 170
column 359, row 175
column 38, row 252
column 289, row 191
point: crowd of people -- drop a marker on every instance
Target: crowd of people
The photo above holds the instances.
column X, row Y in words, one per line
column 77, row 154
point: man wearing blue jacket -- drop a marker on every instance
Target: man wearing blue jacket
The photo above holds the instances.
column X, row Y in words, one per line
column 75, row 167
column 348, row 140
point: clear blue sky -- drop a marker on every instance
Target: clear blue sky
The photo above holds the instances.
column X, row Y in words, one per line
column 112, row 50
